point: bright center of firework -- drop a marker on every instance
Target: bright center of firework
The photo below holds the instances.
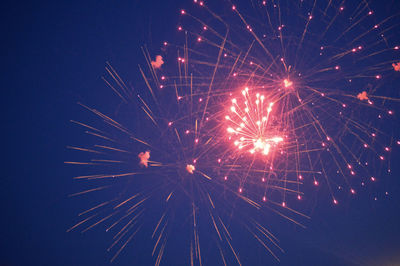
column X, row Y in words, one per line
column 249, row 124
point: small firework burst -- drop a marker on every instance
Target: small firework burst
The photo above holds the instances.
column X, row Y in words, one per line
column 250, row 124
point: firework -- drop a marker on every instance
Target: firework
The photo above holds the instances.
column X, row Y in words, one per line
column 251, row 124
column 241, row 116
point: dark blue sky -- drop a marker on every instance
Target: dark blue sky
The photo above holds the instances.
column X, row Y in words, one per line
column 55, row 53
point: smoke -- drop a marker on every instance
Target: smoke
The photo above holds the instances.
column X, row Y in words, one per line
column 362, row 96
column 144, row 158
column 396, row 66
column 158, row 62
column 190, row 168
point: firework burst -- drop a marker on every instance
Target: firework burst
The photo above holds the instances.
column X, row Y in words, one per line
column 251, row 127
column 241, row 115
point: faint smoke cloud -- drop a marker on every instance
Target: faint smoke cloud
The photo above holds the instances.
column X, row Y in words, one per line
column 144, row 158
column 190, row 168
column 158, row 62
column 362, row 96
column 396, row 66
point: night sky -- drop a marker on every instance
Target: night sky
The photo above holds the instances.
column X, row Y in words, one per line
column 55, row 53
